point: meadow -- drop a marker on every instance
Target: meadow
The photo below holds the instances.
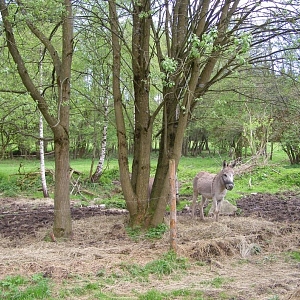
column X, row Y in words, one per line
column 20, row 177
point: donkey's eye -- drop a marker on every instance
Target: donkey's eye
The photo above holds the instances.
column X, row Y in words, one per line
column 225, row 175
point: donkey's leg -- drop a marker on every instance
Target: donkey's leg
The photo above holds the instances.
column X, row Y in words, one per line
column 215, row 209
column 201, row 207
column 219, row 203
column 195, row 197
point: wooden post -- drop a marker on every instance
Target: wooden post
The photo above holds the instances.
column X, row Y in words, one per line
column 173, row 232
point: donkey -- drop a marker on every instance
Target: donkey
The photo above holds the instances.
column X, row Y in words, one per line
column 213, row 186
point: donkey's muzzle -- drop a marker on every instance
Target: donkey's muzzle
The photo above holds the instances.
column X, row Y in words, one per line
column 229, row 186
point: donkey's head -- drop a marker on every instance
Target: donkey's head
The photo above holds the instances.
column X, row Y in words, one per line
column 227, row 174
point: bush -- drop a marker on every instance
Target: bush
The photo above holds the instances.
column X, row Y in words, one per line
column 8, row 186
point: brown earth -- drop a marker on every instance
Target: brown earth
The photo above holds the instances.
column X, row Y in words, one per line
column 248, row 253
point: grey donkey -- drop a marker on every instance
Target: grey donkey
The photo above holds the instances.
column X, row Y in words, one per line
column 213, row 186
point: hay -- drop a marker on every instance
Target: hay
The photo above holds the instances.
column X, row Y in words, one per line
column 295, row 295
column 101, row 245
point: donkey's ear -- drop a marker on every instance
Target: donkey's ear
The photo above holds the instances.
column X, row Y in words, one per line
column 232, row 164
column 224, row 164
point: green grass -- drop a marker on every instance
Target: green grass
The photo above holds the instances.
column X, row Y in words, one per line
column 38, row 287
column 93, row 287
column 152, row 233
column 156, row 232
column 295, row 255
column 275, row 297
column 166, row 265
column 276, row 176
column 267, row 179
column 217, row 282
column 187, row 294
column 79, row 290
column 154, row 294
column 20, row 288
column 271, row 178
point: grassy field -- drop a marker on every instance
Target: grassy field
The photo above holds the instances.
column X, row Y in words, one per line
column 20, row 177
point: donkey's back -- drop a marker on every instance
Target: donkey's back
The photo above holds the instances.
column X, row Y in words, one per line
column 202, row 184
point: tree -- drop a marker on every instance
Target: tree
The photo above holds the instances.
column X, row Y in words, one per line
column 99, row 169
column 34, row 14
column 15, row 116
column 41, row 142
column 286, row 125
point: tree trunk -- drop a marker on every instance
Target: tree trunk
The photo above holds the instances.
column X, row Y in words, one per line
column 99, row 169
column 170, row 148
column 143, row 122
column 41, row 127
column 293, row 153
column 42, row 159
column 135, row 187
column 62, row 226
column 129, row 195
column 271, row 150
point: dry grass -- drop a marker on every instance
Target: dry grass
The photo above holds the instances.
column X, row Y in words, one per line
column 248, row 253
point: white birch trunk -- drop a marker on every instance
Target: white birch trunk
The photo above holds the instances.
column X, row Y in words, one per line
column 41, row 135
column 95, row 177
column 42, row 158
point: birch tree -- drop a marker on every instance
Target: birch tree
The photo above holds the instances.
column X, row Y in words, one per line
column 99, row 169
column 41, row 137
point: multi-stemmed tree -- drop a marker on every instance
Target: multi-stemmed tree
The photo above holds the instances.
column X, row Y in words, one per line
column 195, row 44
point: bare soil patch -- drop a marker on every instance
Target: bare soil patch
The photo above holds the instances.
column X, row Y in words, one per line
column 281, row 207
column 248, row 252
